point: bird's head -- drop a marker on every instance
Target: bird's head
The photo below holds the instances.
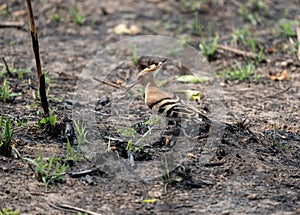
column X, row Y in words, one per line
column 148, row 72
column 146, row 75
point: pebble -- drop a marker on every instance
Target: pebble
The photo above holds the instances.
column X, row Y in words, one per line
column 252, row 196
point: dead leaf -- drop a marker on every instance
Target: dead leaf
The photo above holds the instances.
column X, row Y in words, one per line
column 284, row 75
column 192, row 79
column 3, row 7
column 283, row 47
column 119, row 82
column 113, row 148
column 270, row 50
column 149, row 200
column 191, row 155
column 124, row 29
column 19, row 13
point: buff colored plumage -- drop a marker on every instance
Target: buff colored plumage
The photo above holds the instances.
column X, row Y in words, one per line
column 166, row 103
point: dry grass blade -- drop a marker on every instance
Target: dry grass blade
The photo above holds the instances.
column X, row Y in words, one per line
column 70, row 208
column 298, row 38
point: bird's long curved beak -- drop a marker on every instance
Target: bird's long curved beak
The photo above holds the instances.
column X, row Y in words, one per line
column 129, row 88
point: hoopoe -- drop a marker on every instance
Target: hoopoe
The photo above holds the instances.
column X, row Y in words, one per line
column 167, row 103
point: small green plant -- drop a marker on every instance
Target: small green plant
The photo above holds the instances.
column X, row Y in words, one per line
column 240, row 36
column 197, row 25
column 257, row 5
column 169, row 25
column 3, row 71
column 22, row 72
column 6, row 134
column 274, row 138
column 130, row 146
column 286, row 11
column 71, row 154
column 192, row 5
column 12, row 71
column 93, row 22
column 253, row 44
column 246, row 38
column 209, row 48
column 167, row 177
column 56, row 17
column 11, row 42
column 128, row 133
column 74, row 154
column 8, row 211
column 274, row 133
column 250, row 10
column 6, row 94
column 242, row 73
column 286, row 28
column 253, row 18
column 260, row 56
column 78, row 19
column 49, row 171
column 134, row 55
column 20, row 123
column 52, row 120
column 294, row 48
column 47, row 79
column 185, row 40
column 182, row 25
column 154, row 120
column 80, row 129
column 154, row 27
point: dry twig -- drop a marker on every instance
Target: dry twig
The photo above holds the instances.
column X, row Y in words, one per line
column 11, row 24
column 237, row 51
column 35, row 46
column 6, row 66
column 84, row 172
column 109, row 83
column 70, row 208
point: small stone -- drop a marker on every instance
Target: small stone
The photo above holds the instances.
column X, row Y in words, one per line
column 252, row 196
column 155, row 194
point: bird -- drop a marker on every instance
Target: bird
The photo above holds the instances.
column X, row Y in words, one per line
column 167, row 103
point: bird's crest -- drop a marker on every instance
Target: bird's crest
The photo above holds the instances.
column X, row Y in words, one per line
column 151, row 68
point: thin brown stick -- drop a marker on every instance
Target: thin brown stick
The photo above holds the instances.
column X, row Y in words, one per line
column 35, row 46
column 298, row 38
column 65, row 207
column 84, row 172
column 11, row 24
column 109, row 83
column 237, row 51
column 278, row 93
column 6, row 66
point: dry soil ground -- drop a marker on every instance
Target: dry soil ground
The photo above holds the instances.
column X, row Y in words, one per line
column 254, row 168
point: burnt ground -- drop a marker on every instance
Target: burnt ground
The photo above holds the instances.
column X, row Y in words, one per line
column 253, row 167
